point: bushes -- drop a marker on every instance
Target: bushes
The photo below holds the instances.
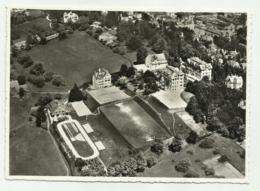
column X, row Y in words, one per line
column 207, row 143
column 183, row 166
column 175, row 146
column 157, row 148
column 37, row 81
column 223, row 159
column 48, row 76
column 25, row 60
column 127, row 168
column 192, row 138
column 191, row 174
column 58, row 80
column 37, row 69
column 209, row 172
column 151, row 162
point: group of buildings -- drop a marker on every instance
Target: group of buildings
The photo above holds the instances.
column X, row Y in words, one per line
column 193, row 69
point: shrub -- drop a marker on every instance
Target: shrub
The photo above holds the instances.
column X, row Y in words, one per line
column 191, row 174
column 183, row 166
column 151, row 162
column 207, row 143
column 209, row 172
column 157, row 148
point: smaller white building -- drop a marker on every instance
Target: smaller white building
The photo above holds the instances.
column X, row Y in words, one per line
column 101, row 78
column 96, row 24
column 70, row 17
column 234, row 82
column 156, row 61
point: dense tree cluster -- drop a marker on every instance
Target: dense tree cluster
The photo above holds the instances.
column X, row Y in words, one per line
column 91, row 167
column 219, row 105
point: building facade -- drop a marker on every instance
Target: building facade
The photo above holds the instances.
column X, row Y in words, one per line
column 196, row 69
column 234, row 82
column 156, row 62
column 174, row 78
column 101, row 78
column 70, row 17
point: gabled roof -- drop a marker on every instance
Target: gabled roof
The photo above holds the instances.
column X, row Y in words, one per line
column 80, row 108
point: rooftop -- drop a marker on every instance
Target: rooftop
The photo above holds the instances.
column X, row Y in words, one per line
column 107, row 95
column 171, row 99
column 80, row 108
column 100, row 73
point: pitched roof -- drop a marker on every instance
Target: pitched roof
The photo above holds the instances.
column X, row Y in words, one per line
column 80, row 108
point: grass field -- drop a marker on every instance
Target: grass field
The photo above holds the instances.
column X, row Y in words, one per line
column 196, row 155
column 77, row 57
column 33, row 152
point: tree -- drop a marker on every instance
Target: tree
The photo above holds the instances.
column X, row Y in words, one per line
column 223, row 159
column 40, row 116
column 207, row 143
column 134, row 43
column 123, row 70
column 75, row 94
column 159, row 46
column 44, row 100
column 21, row 92
column 130, row 72
column 37, row 69
column 48, row 76
column 151, row 162
column 21, row 79
column 192, row 138
column 175, row 146
column 191, row 174
column 183, row 166
column 157, row 148
column 62, row 36
column 58, row 80
column 141, row 54
column 111, row 19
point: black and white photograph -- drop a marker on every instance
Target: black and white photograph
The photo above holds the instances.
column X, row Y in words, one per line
column 127, row 95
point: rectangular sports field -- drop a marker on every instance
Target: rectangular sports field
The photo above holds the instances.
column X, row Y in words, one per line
column 133, row 123
column 77, row 140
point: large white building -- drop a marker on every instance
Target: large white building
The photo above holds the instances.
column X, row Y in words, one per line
column 174, row 78
column 101, row 78
column 196, row 69
column 156, row 61
column 70, row 17
column 234, row 82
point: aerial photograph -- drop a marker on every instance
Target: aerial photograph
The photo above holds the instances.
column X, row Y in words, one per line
column 127, row 94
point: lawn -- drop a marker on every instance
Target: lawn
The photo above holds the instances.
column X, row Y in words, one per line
column 77, row 57
column 196, row 155
column 20, row 109
column 33, row 152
